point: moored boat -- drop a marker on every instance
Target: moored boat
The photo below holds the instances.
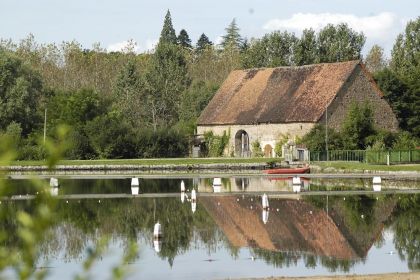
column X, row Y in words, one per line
column 299, row 170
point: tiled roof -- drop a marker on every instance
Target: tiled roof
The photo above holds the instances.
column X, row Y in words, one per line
column 277, row 95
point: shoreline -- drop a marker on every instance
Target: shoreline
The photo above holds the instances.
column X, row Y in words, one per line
column 385, row 276
column 199, row 167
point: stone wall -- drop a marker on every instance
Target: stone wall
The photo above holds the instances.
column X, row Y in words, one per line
column 266, row 134
column 360, row 89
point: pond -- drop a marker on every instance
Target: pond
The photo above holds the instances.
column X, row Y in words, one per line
column 228, row 234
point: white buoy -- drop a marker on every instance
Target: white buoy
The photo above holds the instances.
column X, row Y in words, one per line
column 193, row 206
column 135, row 190
column 157, row 231
column 217, row 182
column 135, row 186
column 377, row 183
column 193, row 195
column 135, row 182
column 53, row 182
column 54, row 191
column 265, row 216
column 182, row 186
column 182, row 197
column 265, row 204
column 157, row 244
column 296, row 184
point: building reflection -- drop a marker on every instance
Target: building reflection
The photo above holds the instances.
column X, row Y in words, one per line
column 252, row 184
column 293, row 225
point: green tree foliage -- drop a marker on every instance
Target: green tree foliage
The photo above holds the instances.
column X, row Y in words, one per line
column 129, row 95
column 315, row 139
column 331, row 44
column 194, row 100
column 184, row 40
column 20, row 93
column 305, row 49
column 397, row 94
column 165, row 80
column 232, row 38
column 400, row 82
column 273, row 50
column 357, row 126
column 375, row 60
column 203, row 43
column 339, row 43
column 167, row 35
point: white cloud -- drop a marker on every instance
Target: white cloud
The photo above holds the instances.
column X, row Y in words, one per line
column 132, row 45
column 150, row 45
column 124, row 46
column 374, row 27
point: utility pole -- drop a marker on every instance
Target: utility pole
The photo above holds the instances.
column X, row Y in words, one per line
column 326, row 130
column 45, row 125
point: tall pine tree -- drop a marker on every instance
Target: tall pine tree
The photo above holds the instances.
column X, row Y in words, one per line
column 232, row 37
column 203, row 42
column 184, row 40
column 167, row 35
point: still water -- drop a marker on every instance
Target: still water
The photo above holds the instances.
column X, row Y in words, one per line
column 229, row 235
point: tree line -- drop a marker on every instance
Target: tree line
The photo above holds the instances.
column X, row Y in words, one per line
column 128, row 105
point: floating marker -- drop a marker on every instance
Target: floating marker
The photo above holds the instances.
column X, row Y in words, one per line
column 157, row 231
column 157, row 244
column 54, row 191
column 135, row 186
column 193, row 195
column 217, row 182
column 53, row 182
column 135, row 190
column 296, row 184
column 182, row 186
column 182, row 197
column 377, row 184
column 193, row 206
column 264, row 203
column 265, row 216
column 135, row 182
column 217, row 185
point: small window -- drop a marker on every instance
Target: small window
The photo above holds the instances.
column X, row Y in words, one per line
column 300, row 127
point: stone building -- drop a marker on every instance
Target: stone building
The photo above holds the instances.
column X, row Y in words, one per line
column 268, row 104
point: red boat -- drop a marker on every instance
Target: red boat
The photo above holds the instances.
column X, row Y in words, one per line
column 300, row 170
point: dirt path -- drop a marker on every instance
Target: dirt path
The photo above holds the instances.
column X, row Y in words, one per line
column 389, row 276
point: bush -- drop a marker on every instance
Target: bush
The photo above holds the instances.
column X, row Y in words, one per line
column 256, row 149
column 216, row 144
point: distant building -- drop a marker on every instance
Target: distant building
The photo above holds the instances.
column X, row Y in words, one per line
column 267, row 104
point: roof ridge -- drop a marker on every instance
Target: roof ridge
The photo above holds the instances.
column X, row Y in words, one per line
column 356, row 61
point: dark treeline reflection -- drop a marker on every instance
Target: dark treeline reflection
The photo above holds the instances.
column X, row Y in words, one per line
column 100, row 186
column 347, row 227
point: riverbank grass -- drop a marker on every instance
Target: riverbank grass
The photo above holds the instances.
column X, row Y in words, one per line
column 154, row 161
column 346, row 165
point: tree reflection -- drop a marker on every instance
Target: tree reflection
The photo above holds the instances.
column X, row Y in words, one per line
column 407, row 230
column 79, row 223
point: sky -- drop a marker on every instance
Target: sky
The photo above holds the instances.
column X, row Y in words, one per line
column 112, row 23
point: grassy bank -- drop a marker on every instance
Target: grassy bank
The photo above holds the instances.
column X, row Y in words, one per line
column 319, row 167
column 345, row 165
column 156, row 161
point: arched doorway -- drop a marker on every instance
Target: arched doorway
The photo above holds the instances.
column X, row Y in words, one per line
column 268, row 151
column 242, row 144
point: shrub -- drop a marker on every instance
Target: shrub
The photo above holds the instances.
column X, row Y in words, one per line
column 256, row 149
column 216, row 144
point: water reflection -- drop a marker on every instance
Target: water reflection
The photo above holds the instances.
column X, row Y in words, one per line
column 333, row 232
